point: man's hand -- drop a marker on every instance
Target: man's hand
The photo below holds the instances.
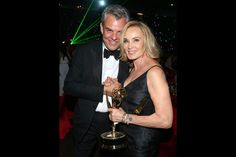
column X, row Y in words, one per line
column 110, row 84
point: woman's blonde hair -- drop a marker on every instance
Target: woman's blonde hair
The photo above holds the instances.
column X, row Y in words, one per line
column 151, row 47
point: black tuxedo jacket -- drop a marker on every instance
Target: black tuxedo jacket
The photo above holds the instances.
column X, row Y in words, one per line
column 83, row 80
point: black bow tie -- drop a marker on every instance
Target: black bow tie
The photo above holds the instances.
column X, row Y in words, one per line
column 108, row 53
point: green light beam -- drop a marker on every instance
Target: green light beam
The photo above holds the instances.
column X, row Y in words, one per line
column 83, row 20
column 91, row 37
column 86, row 39
column 89, row 28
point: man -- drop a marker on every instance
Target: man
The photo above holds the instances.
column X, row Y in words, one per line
column 89, row 69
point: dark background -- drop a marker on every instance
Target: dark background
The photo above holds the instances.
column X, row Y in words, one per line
column 72, row 11
column 160, row 15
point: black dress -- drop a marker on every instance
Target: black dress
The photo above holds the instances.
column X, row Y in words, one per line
column 142, row 141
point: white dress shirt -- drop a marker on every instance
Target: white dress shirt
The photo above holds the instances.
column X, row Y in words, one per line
column 110, row 68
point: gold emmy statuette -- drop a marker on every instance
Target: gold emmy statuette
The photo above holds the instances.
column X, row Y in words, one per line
column 114, row 140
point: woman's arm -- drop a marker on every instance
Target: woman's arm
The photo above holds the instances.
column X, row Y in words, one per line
column 159, row 92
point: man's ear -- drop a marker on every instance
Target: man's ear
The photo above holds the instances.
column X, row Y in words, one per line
column 101, row 28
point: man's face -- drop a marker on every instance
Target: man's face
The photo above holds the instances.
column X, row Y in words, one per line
column 111, row 31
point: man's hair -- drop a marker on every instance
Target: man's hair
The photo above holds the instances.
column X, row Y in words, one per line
column 117, row 11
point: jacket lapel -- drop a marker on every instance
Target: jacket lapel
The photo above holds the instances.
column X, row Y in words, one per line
column 123, row 71
column 97, row 59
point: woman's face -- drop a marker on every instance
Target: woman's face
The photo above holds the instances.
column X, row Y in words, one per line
column 133, row 43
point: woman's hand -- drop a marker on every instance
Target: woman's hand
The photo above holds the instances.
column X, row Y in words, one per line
column 116, row 115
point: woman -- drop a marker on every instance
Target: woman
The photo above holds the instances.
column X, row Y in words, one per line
column 146, row 85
